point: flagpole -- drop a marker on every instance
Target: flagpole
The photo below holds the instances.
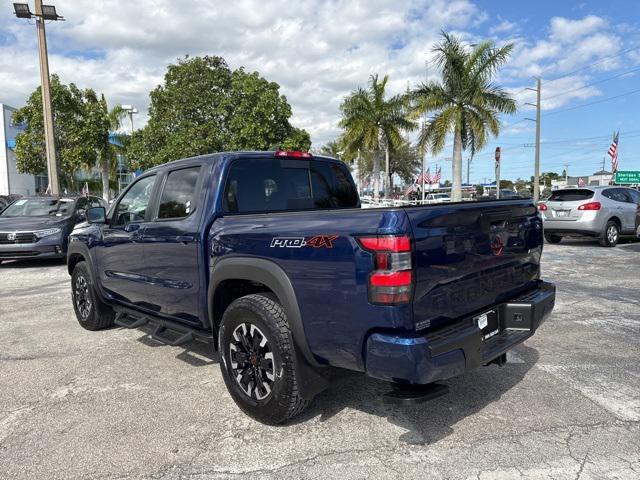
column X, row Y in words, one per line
column 422, row 176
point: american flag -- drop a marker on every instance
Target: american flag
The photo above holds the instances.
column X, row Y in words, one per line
column 438, row 175
column 426, row 176
column 409, row 189
column 613, row 153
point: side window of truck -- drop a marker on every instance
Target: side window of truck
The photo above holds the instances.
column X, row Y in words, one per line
column 331, row 186
column 179, row 193
column 133, row 205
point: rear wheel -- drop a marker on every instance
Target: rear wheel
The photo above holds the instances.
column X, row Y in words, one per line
column 611, row 234
column 91, row 312
column 551, row 238
column 258, row 360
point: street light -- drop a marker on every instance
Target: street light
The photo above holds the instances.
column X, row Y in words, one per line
column 21, row 10
column 131, row 111
column 44, row 12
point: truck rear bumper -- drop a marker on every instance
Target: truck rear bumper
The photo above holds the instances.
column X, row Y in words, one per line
column 461, row 346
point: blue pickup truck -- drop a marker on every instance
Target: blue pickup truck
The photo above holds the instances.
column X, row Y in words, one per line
column 268, row 257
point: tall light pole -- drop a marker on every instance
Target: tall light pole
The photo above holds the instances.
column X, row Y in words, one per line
column 536, row 172
column 130, row 111
column 44, row 12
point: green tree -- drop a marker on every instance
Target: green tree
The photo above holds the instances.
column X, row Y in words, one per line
column 332, row 149
column 101, row 123
column 465, row 102
column 203, row 106
column 372, row 122
column 82, row 124
column 404, row 161
column 74, row 136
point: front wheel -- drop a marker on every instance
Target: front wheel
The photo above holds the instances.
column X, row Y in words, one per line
column 91, row 312
column 611, row 234
column 549, row 237
column 258, row 360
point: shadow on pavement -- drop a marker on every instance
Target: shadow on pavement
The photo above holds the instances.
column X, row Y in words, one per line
column 593, row 242
column 428, row 422
column 424, row 423
column 195, row 353
column 32, row 263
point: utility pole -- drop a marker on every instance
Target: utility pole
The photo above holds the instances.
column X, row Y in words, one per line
column 50, row 144
column 536, row 172
column 566, row 174
column 48, row 12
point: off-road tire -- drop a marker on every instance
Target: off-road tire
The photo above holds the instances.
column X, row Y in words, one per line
column 611, row 234
column 549, row 237
column 94, row 315
column 284, row 400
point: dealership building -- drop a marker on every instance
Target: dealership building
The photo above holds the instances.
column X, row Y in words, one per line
column 10, row 180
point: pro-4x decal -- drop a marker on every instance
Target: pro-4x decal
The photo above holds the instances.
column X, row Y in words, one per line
column 318, row 241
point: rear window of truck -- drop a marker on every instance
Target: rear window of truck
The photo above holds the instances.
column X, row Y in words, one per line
column 572, row 195
column 264, row 185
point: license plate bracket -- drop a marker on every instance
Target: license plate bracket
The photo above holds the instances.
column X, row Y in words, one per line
column 488, row 323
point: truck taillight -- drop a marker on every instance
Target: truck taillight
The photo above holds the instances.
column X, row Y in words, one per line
column 542, row 207
column 590, row 206
column 391, row 282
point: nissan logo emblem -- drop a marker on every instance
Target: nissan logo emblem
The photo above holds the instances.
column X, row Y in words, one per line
column 11, row 236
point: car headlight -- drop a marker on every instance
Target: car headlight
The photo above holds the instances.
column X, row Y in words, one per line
column 46, row 232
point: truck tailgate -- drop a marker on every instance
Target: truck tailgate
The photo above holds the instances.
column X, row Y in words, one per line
column 471, row 256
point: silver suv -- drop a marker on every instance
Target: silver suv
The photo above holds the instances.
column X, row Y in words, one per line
column 602, row 212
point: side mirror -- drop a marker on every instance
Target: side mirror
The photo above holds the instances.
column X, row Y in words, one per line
column 97, row 215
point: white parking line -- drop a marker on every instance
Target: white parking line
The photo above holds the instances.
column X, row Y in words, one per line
column 611, row 388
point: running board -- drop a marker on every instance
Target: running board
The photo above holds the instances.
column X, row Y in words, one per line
column 413, row 394
column 126, row 321
column 165, row 331
column 163, row 334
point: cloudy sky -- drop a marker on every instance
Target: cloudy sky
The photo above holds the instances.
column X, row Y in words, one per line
column 318, row 51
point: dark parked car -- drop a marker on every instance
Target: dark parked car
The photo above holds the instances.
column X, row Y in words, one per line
column 6, row 200
column 39, row 227
column 267, row 256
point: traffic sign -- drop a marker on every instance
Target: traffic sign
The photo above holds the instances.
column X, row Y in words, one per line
column 627, row 177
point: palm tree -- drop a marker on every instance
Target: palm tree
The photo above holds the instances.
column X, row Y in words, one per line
column 465, row 102
column 108, row 151
column 371, row 122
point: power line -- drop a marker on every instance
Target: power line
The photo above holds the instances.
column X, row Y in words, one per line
column 592, row 103
column 593, row 83
column 603, row 59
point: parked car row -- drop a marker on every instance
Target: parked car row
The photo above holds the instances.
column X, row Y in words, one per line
column 39, row 227
column 605, row 213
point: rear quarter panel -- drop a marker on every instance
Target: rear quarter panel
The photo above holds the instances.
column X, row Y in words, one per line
column 330, row 281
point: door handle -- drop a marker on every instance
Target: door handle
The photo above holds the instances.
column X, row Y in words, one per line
column 185, row 239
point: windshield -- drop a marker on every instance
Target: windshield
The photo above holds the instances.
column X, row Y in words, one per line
column 571, row 195
column 39, row 207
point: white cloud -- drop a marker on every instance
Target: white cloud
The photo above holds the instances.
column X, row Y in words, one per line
column 316, row 50
column 504, row 26
column 567, row 30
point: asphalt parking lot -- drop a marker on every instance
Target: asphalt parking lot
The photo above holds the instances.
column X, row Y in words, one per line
column 116, row 405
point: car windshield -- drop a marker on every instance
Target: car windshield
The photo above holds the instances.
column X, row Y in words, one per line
column 39, row 207
column 572, row 195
